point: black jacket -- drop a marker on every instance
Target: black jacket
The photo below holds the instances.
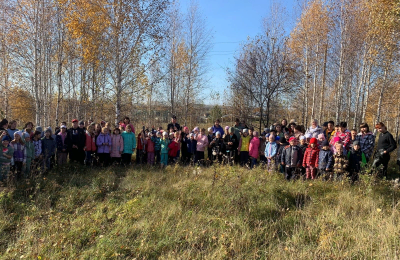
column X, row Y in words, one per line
column 386, row 142
column 292, row 156
column 76, row 137
column 171, row 125
column 231, row 138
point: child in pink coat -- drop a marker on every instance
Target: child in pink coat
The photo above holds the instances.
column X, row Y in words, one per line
column 253, row 149
column 150, row 149
column 117, row 146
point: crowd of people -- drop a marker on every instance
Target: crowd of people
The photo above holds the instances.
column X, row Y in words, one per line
column 329, row 151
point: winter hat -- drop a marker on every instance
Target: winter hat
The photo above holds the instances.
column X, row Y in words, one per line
column 209, row 129
column 165, row 134
column 292, row 139
column 277, row 138
column 158, row 133
column 218, row 133
column 191, row 134
column 226, row 127
column 18, row 133
column 356, row 143
column 321, row 136
column 325, row 143
column 196, row 129
column 245, row 131
column 39, row 128
column 308, row 136
column 313, row 140
column 63, row 126
column 336, row 139
column 81, row 122
column 149, row 134
column 6, row 138
column 184, row 128
column 302, row 137
column 231, row 129
column 48, row 130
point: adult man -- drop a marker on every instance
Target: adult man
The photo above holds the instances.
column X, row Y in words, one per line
column 237, row 128
column 366, row 140
column 174, row 125
column 386, row 145
column 76, row 142
column 330, row 131
column 217, row 127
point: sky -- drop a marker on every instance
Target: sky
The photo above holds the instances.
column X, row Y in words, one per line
column 232, row 22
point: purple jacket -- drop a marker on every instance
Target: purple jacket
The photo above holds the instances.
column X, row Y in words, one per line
column 106, row 139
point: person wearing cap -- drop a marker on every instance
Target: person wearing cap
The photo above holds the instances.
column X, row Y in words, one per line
column 291, row 158
column 325, row 161
column 231, row 143
column 386, row 145
column 173, row 125
column 76, row 141
column 310, row 159
column 357, row 160
column 366, row 139
column 5, row 158
column 243, row 149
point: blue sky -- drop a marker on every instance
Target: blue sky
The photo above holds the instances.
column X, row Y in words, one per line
column 232, row 22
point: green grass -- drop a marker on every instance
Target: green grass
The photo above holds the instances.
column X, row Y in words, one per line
column 190, row 213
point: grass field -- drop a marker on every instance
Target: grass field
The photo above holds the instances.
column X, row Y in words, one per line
column 197, row 213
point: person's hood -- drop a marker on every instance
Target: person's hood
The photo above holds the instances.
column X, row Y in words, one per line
column 369, row 133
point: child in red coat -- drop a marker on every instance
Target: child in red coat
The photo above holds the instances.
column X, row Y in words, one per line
column 173, row 150
column 310, row 159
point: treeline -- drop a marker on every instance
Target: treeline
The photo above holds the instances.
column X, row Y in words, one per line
column 340, row 62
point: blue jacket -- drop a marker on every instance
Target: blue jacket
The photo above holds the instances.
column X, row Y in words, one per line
column 325, row 160
column 48, row 146
column 191, row 145
column 217, row 129
column 60, row 145
column 274, row 149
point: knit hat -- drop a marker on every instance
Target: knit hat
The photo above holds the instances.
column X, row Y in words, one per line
column 6, row 138
column 313, row 140
column 325, row 143
column 39, row 128
column 81, row 122
column 245, row 131
column 63, row 126
column 48, row 130
column 185, row 128
column 231, row 129
column 336, row 139
column 218, row 133
column 209, row 129
column 158, row 133
column 226, row 127
column 302, row 137
column 356, row 143
column 196, row 129
column 165, row 134
column 149, row 134
column 291, row 139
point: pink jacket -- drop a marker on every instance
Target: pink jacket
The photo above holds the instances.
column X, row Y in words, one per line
column 117, row 145
column 253, row 147
column 202, row 142
column 149, row 145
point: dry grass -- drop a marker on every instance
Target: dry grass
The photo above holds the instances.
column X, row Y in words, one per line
column 206, row 213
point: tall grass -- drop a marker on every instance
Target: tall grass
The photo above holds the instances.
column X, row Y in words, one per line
column 197, row 213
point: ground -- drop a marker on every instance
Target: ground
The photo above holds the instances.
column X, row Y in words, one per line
column 197, row 213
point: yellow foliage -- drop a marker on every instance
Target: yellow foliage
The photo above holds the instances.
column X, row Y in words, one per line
column 22, row 105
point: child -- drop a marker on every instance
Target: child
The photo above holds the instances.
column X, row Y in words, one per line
column 30, row 155
column 210, row 137
column 243, row 148
column 353, row 136
column 202, row 143
column 321, row 139
column 282, row 143
column 217, row 147
column 5, row 158
column 310, row 160
column 104, row 146
column 191, row 146
column 333, row 142
column 357, row 160
column 164, row 142
column 129, row 140
column 48, row 147
column 253, row 149
column 62, row 145
column 291, row 158
column 157, row 147
column 270, row 151
column 140, row 153
column 177, row 139
column 325, row 162
column 19, row 155
column 90, row 144
column 37, row 144
column 150, row 149
column 173, row 148
column 117, row 146
column 261, row 148
column 340, row 162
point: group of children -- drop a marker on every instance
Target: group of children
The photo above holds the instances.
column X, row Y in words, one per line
column 311, row 153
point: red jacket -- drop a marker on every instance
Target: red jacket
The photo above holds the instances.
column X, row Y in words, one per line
column 149, row 145
column 311, row 157
column 90, row 143
column 173, row 148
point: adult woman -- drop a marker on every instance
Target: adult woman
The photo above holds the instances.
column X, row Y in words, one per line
column 314, row 130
